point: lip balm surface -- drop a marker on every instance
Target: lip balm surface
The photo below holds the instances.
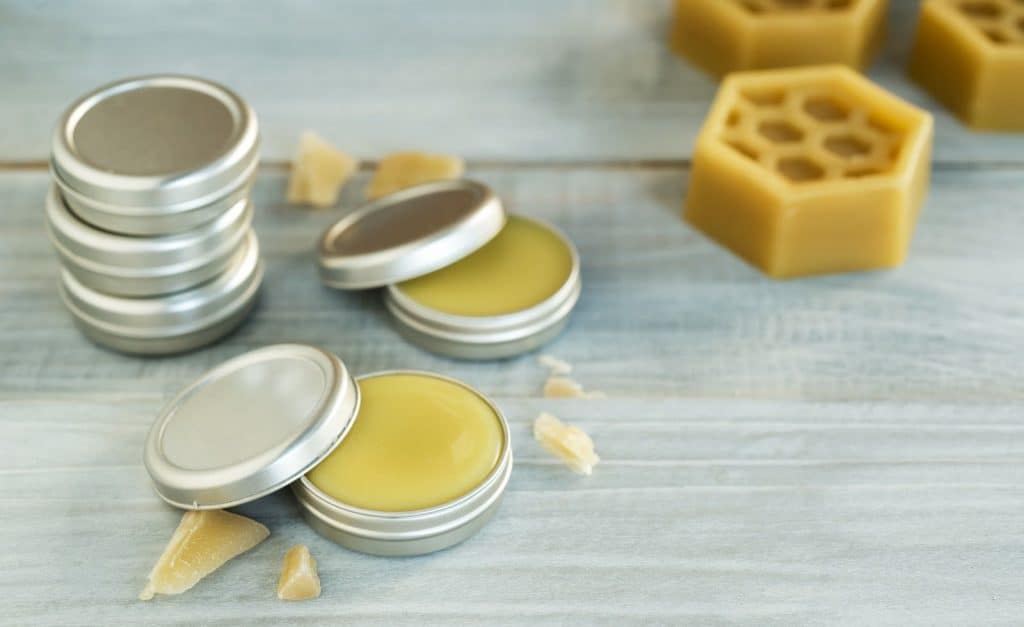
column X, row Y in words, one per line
column 418, row 442
column 524, row 265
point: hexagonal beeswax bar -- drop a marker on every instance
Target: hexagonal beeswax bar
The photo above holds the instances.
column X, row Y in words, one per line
column 722, row 36
column 970, row 55
column 810, row 171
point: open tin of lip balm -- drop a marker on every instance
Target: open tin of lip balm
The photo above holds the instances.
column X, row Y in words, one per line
column 121, row 265
column 392, row 463
column 173, row 323
column 462, row 278
column 156, row 154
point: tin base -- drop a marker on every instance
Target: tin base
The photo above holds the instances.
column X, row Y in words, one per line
column 478, row 351
column 169, row 345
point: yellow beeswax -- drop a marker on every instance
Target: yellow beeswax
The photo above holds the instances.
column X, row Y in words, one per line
column 970, row 55
column 524, row 265
column 809, row 171
column 418, row 441
column 722, row 36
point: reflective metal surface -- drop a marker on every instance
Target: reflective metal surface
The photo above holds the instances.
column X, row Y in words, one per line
column 408, row 234
column 250, row 426
column 414, row 532
column 155, row 142
column 488, row 337
column 167, row 324
column 138, row 266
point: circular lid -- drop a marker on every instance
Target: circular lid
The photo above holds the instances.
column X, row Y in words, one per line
column 124, row 255
column 408, row 234
column 155, row 141
column 250, row 426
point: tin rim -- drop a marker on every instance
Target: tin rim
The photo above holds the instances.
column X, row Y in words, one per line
column 419, row 524
column 165, row 189
column 456, row 330
column 176, row 314
column 417, row 257
column 143, row 264
column 251, row 478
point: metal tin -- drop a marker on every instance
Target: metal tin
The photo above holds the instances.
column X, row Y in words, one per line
column 408, row 234
column 488, row 337
column 136, row 266
column 168, row 324
column 250, row 426
column 144, row 152
column 413, row 532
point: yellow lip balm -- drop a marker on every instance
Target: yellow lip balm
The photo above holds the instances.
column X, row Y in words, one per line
column 524, row 265
column 418, row 441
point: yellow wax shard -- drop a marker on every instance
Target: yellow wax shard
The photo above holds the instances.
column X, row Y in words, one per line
column 722, row 36
column 418, row 441
column 810, row 171
column 524, row 265
column 558, row 367
column 970, row 55
column 564, row 387
column 299, row 580
column 406, row 169
column 318, row 172
column 201, row 544
column 570, row 444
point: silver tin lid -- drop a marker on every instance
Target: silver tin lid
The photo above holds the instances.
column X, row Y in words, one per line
column 155, row 142
column 414, row 532
column 250, row 426
column 488, row 337
column 146, row 266
column 136, row 321
column 408, row 234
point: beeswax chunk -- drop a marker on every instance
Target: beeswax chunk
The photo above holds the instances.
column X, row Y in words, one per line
column 722, row 36
column 201, row 544
column 405, row 169
column 299, row 580
column 970, row 55
column 557, row 366
column 570, row 444
column 810, row 171
column 564, row 387
column 318, row 172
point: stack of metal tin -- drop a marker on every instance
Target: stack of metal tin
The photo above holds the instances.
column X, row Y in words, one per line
column 150, row 213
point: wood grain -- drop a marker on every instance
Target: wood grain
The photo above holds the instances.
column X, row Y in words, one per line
column 530, row 79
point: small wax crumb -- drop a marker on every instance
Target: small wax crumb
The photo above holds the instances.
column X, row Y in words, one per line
column 564, row 387
column 299, row 580
column 201, row 544
column 400, row 170
column 570, row 444
column 318, row 172
column 557, row 366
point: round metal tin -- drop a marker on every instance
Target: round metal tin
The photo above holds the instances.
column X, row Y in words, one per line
column 408, row 234
column 144, row 221
column 488, row 337
column 250, row 426
column 168, row 324
column 413, row 532
column 137, row 266
column 154, row 146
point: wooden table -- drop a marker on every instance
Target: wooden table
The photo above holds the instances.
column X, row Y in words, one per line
column 838, row 450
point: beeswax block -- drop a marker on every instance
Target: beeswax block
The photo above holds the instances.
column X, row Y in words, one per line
column 969, row 54
column 201, row 544
column 299, row 580
column 809, row 171
column 406, row 169
column 569, row 443
column 318, row 172
column 722, row 36
column 558, row 367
